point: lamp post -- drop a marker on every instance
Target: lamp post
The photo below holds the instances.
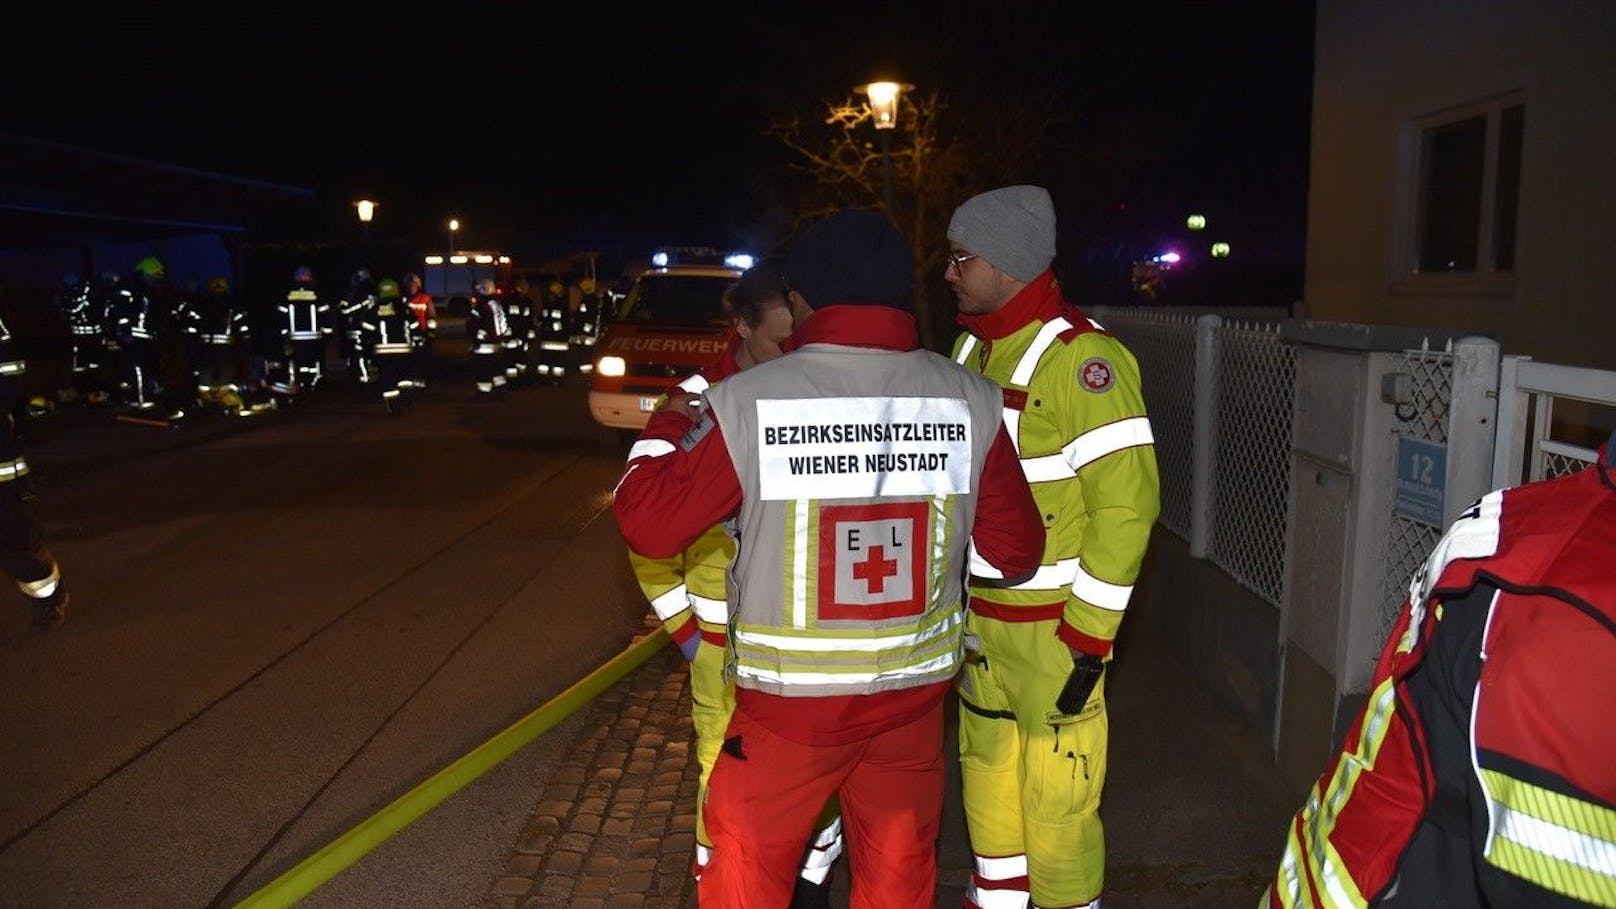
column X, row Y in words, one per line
column 454, row 225
column 367, row 210
column 883, row 106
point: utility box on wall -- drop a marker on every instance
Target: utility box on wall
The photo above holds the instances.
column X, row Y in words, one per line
column 1350, row 421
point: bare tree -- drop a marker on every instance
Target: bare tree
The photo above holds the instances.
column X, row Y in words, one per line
column 938, row 158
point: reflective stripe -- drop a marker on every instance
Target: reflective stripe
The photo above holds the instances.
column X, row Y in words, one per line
column 714, row 612
column 980, row 567
column 11, row 470
column 965, row 349
column 1103, row 440
column 1557, row 841
column 825, row 850
column 43, row 587
column 670, row 603
column 552, row 345
column 1103, row 594
column 987, row 888
column 848, row 645
column 1050, row 577
column 1088, row 448
column 13, row 367
column 695, row 383
column 485, row 348
column 650, row 448
column 944, row 664
column 1035, row 351
column 1003, row 868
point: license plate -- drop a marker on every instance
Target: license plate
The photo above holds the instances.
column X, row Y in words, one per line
column 647, row 405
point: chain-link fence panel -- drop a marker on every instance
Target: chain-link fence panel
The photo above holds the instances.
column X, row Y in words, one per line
column 1251, row 461
column 1425, row 418
column 1164, row 346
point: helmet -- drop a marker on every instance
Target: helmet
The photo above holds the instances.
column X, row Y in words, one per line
column 557, row 288
column 218, row 285
column 303, row 275
column 361, row 276
column 485, row 287
column 387, row 289
column 587, row 285
column 40, row 406
column 150, row 268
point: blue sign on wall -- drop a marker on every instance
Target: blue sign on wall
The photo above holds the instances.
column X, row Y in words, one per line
column 1422, row 470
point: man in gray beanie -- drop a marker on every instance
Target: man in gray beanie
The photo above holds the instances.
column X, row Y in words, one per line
column 1033, row 726
column 856, row 468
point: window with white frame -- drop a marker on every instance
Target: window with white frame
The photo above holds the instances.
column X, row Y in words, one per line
column 1468, row 192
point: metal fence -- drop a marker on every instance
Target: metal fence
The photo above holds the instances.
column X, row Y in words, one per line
column 1219, row 394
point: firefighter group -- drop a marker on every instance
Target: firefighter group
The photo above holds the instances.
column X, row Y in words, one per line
column 161, row 349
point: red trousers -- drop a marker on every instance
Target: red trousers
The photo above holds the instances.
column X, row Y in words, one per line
column 766, row 793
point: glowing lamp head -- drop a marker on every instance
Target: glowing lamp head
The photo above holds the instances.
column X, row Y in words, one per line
column 610, row 366
column 1195, row 222
column 884, row 101
column 1220, row 250
column 367, row 210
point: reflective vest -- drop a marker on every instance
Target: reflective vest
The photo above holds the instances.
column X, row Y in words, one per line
column 1074, row 408
column 1539, row 766
column 692, row 585
column 859, row 472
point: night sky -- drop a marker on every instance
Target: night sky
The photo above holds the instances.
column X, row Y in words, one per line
column 607, row 123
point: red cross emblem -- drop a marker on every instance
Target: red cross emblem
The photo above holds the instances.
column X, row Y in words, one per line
column 872, row 560
column 1095, row 374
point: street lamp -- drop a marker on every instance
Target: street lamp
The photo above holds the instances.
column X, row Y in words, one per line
column 367, row 210
column 454, row 225
column 883, row 106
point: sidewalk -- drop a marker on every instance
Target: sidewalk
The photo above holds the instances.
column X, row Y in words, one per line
column 1195, row 813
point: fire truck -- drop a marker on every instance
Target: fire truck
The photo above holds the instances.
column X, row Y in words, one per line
column 672, row 323
column 451, row 279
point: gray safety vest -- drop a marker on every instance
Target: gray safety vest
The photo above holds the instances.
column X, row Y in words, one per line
column 859, row 472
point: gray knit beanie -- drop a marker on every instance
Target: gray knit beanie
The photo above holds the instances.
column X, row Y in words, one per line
column 1012, row 227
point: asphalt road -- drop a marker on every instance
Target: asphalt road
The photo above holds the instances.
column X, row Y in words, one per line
column 281, row 624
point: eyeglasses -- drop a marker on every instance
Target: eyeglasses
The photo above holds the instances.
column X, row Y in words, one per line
column 956, row 260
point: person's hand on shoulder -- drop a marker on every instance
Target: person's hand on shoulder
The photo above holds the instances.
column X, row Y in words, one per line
column 684, row 402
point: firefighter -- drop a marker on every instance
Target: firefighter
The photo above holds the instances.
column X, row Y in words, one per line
column 304, row 327
column 137, row 323
column 1032, row 720
column 390, row 334
column 583, row 302
column 552, row 334
column 184, row 341
column 486, row 330
column 1481, row 772
column 687, row 591
column 519, row 312
column 358, row 309
column 81, row 308
column 221, row 329
column 23, row 553
column 426, row 328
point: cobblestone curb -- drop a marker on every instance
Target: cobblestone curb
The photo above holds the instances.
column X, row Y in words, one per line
column 615, row 826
